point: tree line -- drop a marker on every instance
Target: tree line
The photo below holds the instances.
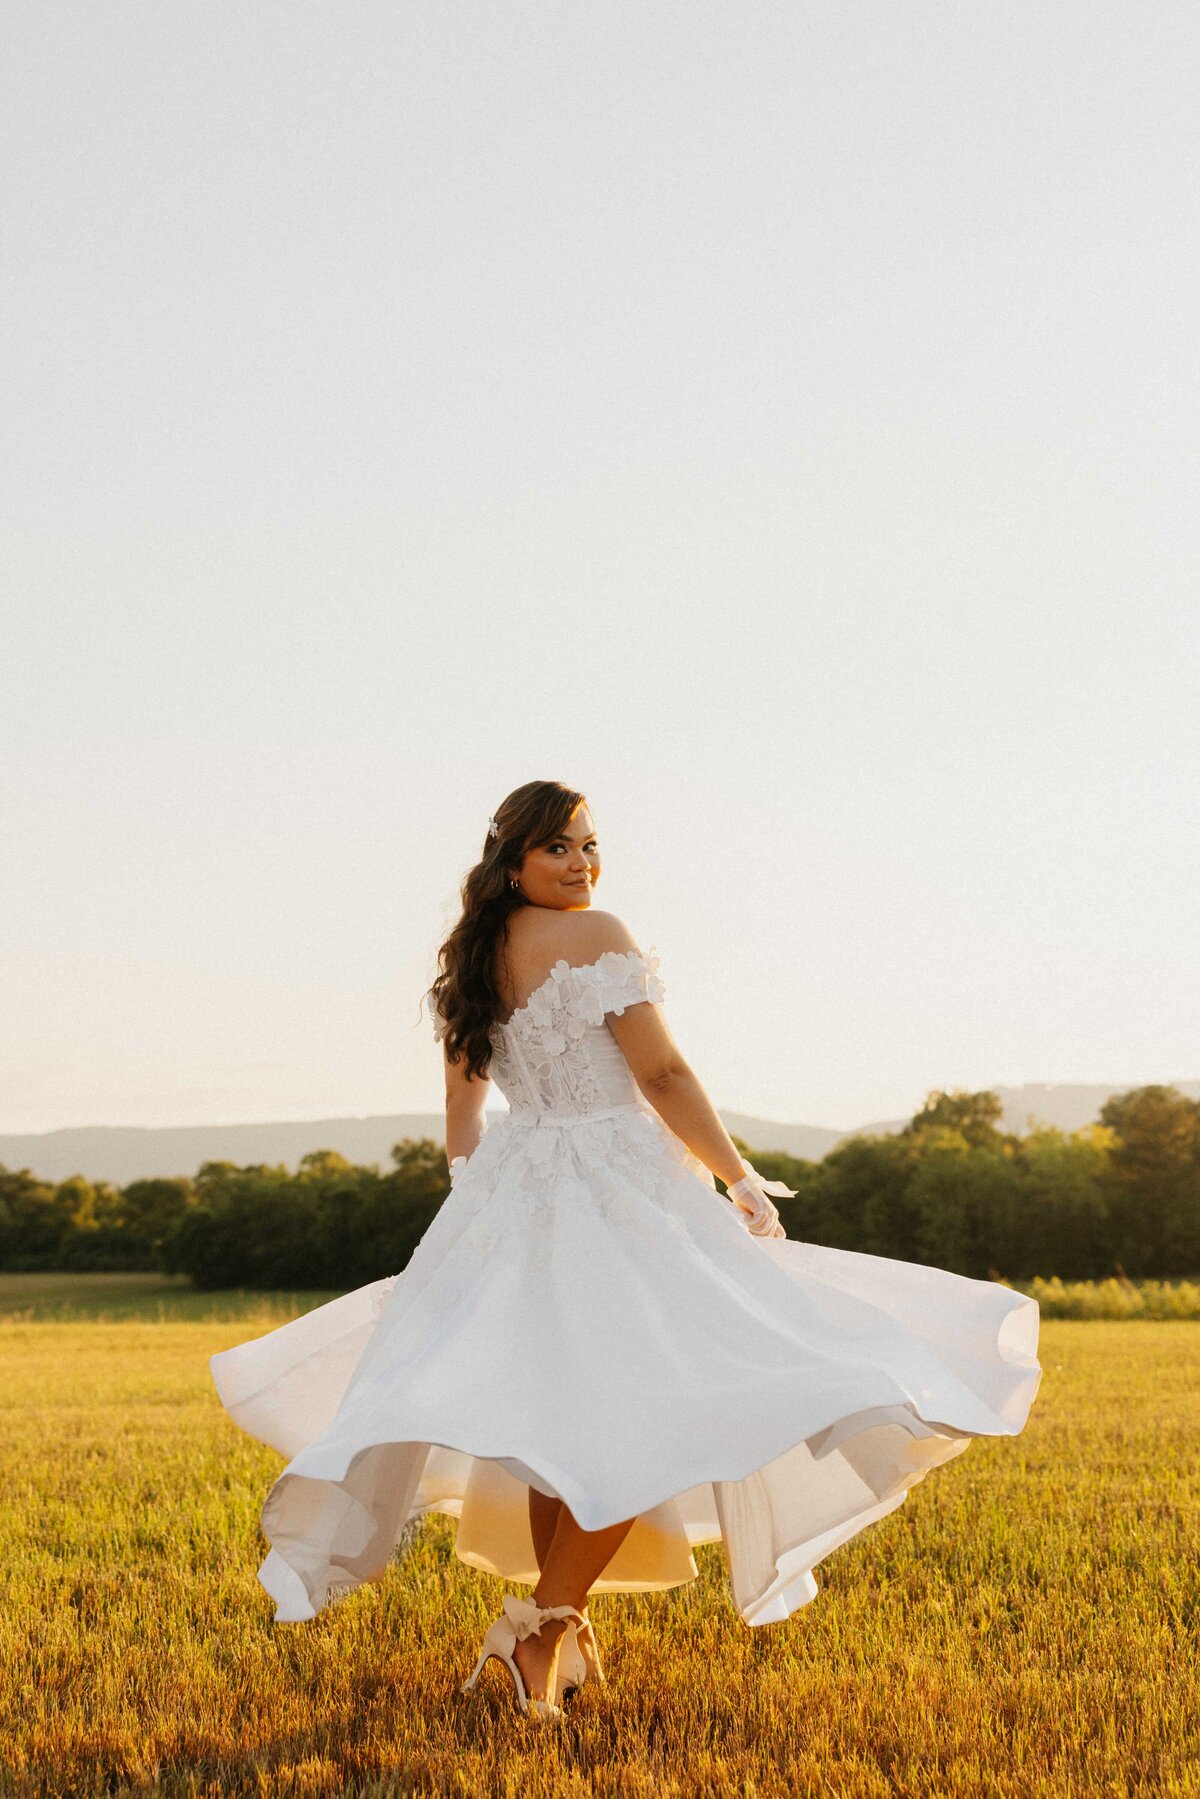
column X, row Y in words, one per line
column 951, row 1189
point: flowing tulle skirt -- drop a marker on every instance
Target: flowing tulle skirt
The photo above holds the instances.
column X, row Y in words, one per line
column 586, row 1315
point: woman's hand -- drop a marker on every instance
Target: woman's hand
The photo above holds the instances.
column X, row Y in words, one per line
column 749, row 1195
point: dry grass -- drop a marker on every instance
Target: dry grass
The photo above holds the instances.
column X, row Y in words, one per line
column 1026, row 1624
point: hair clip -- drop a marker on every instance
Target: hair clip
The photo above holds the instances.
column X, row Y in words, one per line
column 493, row 828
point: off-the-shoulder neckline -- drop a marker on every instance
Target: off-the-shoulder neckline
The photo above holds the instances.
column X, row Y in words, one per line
column 571, row 968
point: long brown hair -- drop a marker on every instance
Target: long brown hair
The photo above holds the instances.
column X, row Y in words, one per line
column 464, row 990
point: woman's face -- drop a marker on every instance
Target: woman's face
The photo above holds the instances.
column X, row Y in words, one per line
column 562, row 874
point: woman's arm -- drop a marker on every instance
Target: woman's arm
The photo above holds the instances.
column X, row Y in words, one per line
column 668, row 1082
column 682, row 1103
column 465, row 1100
column 463, row 1131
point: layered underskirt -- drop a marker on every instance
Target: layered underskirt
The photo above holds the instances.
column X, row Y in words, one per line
column 586, row 1315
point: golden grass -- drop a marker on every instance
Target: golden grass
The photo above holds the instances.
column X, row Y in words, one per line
column 1026, row 1624
column 158, row 1298
column 169, row 1298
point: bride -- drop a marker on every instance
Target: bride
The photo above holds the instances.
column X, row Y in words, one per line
column 593, row 1360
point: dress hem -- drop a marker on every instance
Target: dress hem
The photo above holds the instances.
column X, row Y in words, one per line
column 598, row 1517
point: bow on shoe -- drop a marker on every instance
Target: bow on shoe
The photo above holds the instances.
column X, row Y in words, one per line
column 527, row 1617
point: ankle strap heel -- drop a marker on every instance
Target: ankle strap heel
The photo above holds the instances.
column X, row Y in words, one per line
column 520, row 1618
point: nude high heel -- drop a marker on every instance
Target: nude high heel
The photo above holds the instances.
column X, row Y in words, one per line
column 588, row 1636
column 573, row 1666
column 519, row 1619
column 572, row 1669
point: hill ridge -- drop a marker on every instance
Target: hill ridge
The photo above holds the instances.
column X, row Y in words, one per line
column 123, row 1153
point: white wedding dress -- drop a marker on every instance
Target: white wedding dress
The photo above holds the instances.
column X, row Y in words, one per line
column 587, row 1315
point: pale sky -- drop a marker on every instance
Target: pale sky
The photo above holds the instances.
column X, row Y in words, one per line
column 779, row 421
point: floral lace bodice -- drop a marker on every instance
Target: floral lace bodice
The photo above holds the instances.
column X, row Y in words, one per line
column 609, row 1155
column 555, row 1056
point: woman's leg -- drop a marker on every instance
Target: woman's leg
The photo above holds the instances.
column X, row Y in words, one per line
column 543, row 1522
column 575, row 1558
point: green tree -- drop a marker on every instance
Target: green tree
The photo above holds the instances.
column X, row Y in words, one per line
column 1067, row 1229
column 31, row 1224
column 1153, row 1181
column 975, row 1117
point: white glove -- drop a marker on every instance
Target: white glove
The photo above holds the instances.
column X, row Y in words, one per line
column 749, row 1195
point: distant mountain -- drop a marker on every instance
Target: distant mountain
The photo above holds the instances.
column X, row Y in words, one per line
column 120, row 1153
column 1067, row 1107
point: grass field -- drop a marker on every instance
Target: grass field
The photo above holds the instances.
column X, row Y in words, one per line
column 1026, row 1624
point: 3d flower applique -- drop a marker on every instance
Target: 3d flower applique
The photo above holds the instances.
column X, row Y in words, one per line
column 638, row 1149
column 539, row 1008
column 542, row 1149
column 617, row 1209
column 656, row 988
column 647, row 1135
column 589, row 999
column 617, row 984
column 643, row 975
column 615, row 994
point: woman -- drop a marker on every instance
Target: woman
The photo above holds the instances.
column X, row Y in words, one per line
column 592, row 1360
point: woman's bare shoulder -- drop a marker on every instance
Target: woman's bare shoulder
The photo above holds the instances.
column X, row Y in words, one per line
column 541, row 933
column 538, row 937
column 603, row 931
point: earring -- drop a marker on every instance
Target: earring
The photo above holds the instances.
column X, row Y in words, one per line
column 513, row 882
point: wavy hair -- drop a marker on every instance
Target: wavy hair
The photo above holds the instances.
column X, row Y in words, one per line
column 464, row 990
